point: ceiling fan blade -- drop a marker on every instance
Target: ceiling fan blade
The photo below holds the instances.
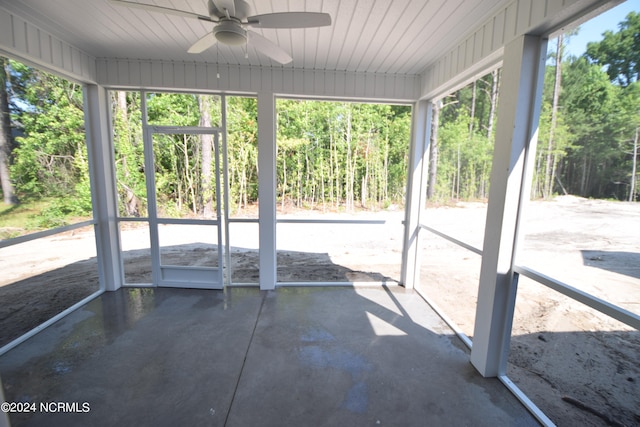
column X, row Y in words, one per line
column 267, row 47
column 153, row 8
column 290, row 20
column 203, row 43
column 225, row 6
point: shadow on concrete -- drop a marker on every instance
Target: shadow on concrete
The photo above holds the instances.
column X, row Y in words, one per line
column 27, row 303
column 244, row 357
column 627, row 263
column 314, row 368
column 293, row 266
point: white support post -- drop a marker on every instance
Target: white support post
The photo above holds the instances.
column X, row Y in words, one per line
column 516, row 135
column 267, row 189
column 416, row 189
column 103, row 188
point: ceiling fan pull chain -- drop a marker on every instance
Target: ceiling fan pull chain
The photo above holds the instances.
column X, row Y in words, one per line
column 217, row 63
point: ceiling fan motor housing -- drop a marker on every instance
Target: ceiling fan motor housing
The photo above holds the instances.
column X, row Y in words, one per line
column 231, row 16
column 230, row 32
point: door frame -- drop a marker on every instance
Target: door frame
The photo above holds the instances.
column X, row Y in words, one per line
column 183, row 276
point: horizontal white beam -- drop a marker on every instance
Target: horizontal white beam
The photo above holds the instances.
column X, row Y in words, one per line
column 452, row 239
column 45, row 233
column 331, row 221
column 191, row 76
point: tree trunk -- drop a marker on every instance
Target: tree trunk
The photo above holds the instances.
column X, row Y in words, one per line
column 333, row 181
column 121, row 102
column 206, row 142
column 473, row 108
column 364, row 191
column 433, row 150
column 5, row 137
column 284, row 178
column 310, row 179
column 385, row 170
column 299, row 179
column 322, row 178
column 494, row 102
column 459, row 168
column 583, row 181
column 350, row 172
column 548, row 173
column 632, row 190
column 131, row 201
column 189, row 175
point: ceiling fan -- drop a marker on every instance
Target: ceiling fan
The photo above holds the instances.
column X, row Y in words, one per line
column 232, row 16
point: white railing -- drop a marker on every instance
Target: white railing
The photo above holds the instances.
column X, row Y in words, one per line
column 44, row 233
column 582, row 297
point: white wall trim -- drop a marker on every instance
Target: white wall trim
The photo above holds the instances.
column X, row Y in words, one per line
column 482, row 50
column 26, row 42
column 182, row 76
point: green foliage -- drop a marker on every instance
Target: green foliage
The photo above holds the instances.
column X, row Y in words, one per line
column 129, row 153
column 464, row 161
column 562, row 143
column 50, row 217
column 341, row 155
column 593, row 129
column 49, row 156
column 599, row 116
column 608, row 159
column 465, row 142
column 177, row 109
column 619, row 51
column 242, row 151
column 16, row 220
column 330, row 155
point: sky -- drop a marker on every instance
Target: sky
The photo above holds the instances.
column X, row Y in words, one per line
column 592, row 30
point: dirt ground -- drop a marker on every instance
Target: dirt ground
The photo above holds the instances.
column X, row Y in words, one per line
column 563, row 354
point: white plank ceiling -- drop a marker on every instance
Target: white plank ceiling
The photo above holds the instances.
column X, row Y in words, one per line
column 381, row 36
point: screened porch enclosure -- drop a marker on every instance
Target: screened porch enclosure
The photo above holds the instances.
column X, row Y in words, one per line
column 259, row 337
column 187, row 194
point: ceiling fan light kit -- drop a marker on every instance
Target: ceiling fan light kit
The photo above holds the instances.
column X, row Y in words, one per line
column 232, row 16
column 230, row 33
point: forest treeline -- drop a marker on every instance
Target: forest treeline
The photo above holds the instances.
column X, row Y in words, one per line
column 588, row 132
column 330, row 155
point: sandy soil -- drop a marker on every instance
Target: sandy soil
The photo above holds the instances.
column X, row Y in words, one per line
column 559, row 349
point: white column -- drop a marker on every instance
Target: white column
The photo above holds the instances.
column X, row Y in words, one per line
column 103, row 187
column 416, row 191
column 267, row 189
column 516, row 135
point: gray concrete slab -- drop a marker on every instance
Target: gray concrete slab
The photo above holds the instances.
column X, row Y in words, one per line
column 139, row 357
column 363, row 356
column 241, row 357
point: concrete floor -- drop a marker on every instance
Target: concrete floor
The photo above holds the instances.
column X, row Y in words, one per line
column 242, row 357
